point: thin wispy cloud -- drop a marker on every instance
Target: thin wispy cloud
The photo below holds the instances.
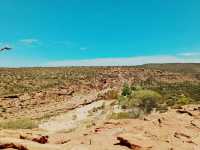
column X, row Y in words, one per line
column 126, row 61
column 30, row 41
column 129, row 61
column 189, row 54
column 83, row 48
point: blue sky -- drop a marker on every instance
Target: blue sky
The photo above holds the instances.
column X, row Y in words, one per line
column 99, row 32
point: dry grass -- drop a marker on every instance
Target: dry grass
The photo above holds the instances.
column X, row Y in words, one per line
column 23, row 123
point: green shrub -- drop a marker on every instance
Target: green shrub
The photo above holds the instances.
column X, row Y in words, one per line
column 183, row 100
column 126, row 91
column 178, row 100
column 146, row 100
column 24, row 123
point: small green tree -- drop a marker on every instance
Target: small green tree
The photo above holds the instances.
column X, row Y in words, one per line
column 126, row 91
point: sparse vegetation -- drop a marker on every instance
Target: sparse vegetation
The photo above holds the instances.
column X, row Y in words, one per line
column 23, row 123
column 148, row 88
column 120, row 115
column 44, row 93
column 139, row 100
column 175, row 93
column 183, row 100
column 15, row 81
column 184, row 68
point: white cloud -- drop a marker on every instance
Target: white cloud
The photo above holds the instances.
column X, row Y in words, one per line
column 189, row 54
column 123, row 61
column 127, row 61
column 29, row 41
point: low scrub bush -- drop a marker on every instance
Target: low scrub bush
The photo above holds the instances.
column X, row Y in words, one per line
column 146, row 100
column 179, row 100
column 183, row 100
column 138, row 102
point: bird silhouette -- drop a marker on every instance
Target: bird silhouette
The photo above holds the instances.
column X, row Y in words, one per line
column 5, row 48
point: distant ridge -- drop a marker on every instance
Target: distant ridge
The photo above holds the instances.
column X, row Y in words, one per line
column 186, row 68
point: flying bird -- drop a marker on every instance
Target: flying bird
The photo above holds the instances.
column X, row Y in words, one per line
column 5, row 48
